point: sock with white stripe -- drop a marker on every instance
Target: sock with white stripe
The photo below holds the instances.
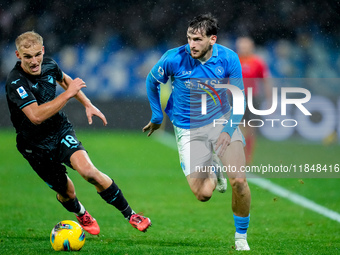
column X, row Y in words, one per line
column 74, row 206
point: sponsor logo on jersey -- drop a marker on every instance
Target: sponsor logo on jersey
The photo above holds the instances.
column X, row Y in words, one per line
column 22, row 92
column 15, row 82
column 189, row 85
column 50, row 79
column 35, row 86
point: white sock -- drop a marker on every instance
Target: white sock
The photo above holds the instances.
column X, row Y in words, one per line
column 128, row 218
column 240, row 236
column 82, row 210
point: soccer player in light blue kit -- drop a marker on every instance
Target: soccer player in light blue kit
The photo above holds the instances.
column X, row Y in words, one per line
column 196, row 69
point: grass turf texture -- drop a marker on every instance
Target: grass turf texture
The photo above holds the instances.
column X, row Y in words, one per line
column 150, row 177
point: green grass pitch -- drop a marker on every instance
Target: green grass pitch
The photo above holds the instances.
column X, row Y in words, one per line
column 150, row 177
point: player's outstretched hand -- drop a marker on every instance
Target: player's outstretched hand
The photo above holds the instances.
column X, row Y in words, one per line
column 91, row 111
column 222, row 143
column 75, row 86
column 152, row 127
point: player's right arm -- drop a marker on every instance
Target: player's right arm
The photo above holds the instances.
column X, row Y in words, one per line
column 235, row 78
column 153, row 91
column 39, row 113
column 158, row 74
column 90, row 109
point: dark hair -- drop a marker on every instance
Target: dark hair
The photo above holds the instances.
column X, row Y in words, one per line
column 205, row 23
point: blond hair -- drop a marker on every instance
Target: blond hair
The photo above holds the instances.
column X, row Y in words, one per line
column 28, row 39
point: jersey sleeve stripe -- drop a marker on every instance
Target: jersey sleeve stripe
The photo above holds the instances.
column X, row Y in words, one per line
column 32, row 101
column 155, row 78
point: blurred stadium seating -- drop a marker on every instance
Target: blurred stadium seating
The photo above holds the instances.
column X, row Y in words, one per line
column 112, row 45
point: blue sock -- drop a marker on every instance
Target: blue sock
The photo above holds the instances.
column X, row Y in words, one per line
column 241, row 224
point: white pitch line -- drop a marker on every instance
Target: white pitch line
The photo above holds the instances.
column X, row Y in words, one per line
column 169, row 141
column 295, row 198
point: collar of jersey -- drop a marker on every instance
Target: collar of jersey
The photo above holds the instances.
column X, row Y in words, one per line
column 214, row 56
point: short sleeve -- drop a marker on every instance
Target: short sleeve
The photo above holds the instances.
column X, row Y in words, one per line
column 19, row 92
column 58, row 71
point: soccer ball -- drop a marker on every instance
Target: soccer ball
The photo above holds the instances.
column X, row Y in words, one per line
column 67, row 235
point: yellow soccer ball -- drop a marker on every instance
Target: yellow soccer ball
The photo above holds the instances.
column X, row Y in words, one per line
column 67, row 235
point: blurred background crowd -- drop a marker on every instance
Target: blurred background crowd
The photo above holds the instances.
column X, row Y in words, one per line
column 144, row 24
column 297, row 38
column 112, row 45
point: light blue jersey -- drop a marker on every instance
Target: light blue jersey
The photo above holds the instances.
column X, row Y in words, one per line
column 194, row 83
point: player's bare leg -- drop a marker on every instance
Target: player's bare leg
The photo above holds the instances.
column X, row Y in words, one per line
column 82, row 163
column 202, row 184
column 70, row 192
column 69, row 200
column 234, row 157
column 250, row 137
column 241, row 197
column 107, row 189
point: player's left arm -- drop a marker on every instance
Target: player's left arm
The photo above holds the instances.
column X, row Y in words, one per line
column 90, row 109
column 224, row 140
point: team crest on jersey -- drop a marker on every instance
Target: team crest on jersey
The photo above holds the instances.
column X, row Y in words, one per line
column 160, row 71
column 22, row 92
column 219, row 70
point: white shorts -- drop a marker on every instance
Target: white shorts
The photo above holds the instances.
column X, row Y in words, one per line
column 196, row 146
